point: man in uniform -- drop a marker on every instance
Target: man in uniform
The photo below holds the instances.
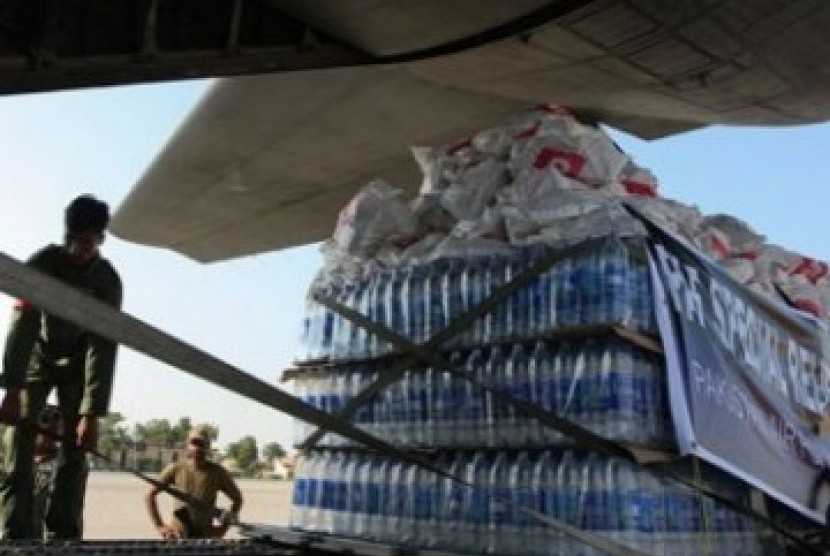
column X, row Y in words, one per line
column 44, row 352
column 202, row 479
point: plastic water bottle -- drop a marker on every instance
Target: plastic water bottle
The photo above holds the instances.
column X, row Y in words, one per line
column 569, row 482
column 342, row 328
column 452, row 494
column 517, row 305
column 314, row 488
column 628, row 502
column 652, row 513
column 538, row 296
column 395, row 493
column 507, row 382
column 330, row 488
column 454, row 295
column 563, row 375
column 542, row 362
column 542, row 540
column 500, row 492
column 680, row 537
column 414, row 410
column 436, row 318
column 402, row 309
column 566, row 294
column 343, row 510
column 358, row 380
column 365, row 344
column 534, row 429
column 299, row 428
column 646, row 399
column 473, row 530
column 449, row 391
column 494, row 412
column 299, row 495
column 593, row 512
column 477, row 290
column 471, row 403
column 643, row 316
column 615, row 418
column 305, row 341
column 521, row 526
column 379, row 312
column 374, row 478
column 521, row 386
column 589, row 280
column 390, row 301
column 497, row 273
column 339, row 396
column 418, row 507
column 573, row 379
column 417, row 304
column 616, row 297
column 396, row 428
column 358, row 494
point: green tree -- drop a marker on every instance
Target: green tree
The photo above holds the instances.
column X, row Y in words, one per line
column 155, row 432
column 272, row 450
column 113, row 435
column 245, row 452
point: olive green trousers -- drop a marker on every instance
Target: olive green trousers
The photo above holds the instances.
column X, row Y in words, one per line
column 19, row 512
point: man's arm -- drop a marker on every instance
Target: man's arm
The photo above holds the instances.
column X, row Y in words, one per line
column 100, row 355
column 99, row 369
column 229, row 488
column 165, row 530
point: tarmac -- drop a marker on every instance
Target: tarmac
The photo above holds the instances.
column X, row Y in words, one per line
column 115, row 505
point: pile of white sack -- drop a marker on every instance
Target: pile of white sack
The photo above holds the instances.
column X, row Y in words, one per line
column 544, row 177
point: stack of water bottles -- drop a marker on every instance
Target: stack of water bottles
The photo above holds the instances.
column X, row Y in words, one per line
column 603, row 286
column 351, row 493
column 606, row 384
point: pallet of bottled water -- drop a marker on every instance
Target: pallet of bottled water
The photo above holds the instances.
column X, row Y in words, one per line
column 606, row 384
column 365, row 495
column 608, row 285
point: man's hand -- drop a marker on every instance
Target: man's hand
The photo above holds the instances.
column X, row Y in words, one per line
column 166, row 532
column 10, row 407
column 218, row 531
column 87, row 432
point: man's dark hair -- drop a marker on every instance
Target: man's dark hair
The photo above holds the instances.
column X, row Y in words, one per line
column 87, row 214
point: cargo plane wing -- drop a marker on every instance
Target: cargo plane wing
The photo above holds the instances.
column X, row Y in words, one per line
column 344, row 87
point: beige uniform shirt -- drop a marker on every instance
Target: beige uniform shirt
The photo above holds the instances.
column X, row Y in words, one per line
column 201, row 481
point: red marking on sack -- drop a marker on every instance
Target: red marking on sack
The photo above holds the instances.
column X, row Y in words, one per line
column 553, row 108
column 720, row 245
column 460, row 146
column 529, row 132
column 808, row 306
column 811, row 269
column 569, row 163
column 23, row 305
column 639, row 188
column 748, row 255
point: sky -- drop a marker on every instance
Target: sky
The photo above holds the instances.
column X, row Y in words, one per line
column 247, row 311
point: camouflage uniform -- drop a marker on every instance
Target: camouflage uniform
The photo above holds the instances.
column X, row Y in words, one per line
column 44, row 352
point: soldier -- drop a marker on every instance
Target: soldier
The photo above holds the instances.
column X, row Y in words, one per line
column 44, row 352
column 202, row 479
